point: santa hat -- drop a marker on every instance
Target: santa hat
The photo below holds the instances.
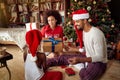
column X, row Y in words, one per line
column 80, row 14
column 80, row 38
column 77, row 15
column 33, row 39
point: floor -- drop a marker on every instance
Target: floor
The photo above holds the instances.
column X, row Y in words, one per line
column 16, row 66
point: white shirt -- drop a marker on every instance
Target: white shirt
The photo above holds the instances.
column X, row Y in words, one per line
column 95, row 45
column 32, row 72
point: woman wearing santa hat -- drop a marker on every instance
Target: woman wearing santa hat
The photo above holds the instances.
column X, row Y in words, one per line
column 95, row 47
column 35, row 61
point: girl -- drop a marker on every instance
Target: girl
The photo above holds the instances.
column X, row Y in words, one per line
column 35, row 61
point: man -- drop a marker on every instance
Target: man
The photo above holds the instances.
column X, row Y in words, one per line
column 95, row 47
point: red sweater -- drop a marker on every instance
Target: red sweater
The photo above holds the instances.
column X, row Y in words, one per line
column 47, row 32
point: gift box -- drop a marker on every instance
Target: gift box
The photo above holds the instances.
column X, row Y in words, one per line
column 31, row 26
column 51, row 45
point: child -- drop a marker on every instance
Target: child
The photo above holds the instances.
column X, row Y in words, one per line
column 35, row 61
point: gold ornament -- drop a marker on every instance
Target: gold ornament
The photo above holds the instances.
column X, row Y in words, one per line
column 94, row 2
column 108, row 11
column 69, row 23
column 112, row 25
column 103, row 19
column 79, row 3
column 68, row 13
column 89, row 20
column 89, row 8
column 75, row 0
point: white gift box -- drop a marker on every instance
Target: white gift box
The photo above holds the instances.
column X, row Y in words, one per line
column 31, row 26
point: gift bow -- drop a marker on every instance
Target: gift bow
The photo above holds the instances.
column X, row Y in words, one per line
column 54, row 42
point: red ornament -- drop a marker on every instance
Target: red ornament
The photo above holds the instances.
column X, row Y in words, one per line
column 107, row 35
column 69, row 43
column 64, row 38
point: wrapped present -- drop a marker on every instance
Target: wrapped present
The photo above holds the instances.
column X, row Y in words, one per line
column 31, row 26
column 51, row 45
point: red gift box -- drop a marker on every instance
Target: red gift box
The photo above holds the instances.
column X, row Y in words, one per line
column 70, row 71
column 52, row 75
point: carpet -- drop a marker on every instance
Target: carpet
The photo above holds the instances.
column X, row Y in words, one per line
column 16, row 66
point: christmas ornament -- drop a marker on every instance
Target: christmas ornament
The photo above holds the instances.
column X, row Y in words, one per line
column 75, row 0
column 64, row 38
column 103, row 19
column 112, row 26
column 71, row 40
column 89, row 8
column 94, row 2
column 107, row 35
column 89, row 20
column 108, row 11
column 69, row 23
column 79, row 3
column 68, row 13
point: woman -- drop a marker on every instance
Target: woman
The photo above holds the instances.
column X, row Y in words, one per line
column 52, row 28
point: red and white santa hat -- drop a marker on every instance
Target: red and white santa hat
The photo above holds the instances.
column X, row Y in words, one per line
column 77, row 15
column 80, row 14
column 33, row 39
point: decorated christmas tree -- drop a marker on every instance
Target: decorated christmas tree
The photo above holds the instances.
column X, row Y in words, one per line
column 100, row 16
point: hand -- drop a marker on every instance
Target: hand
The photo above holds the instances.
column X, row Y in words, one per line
column 51, row 55
column 73, row 60
column 68, row 48
column 73, row 49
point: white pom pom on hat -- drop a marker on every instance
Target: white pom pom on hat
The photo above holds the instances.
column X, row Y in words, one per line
column 80, row 14
column 81, row 49
column 33, row 58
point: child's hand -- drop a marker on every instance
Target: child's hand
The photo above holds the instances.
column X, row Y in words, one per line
column 51, row 55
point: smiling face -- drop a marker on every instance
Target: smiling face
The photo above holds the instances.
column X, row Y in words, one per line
column 52, row 21
column 79, row 23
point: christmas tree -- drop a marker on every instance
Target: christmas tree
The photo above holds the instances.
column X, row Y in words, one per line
column 100, row 16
